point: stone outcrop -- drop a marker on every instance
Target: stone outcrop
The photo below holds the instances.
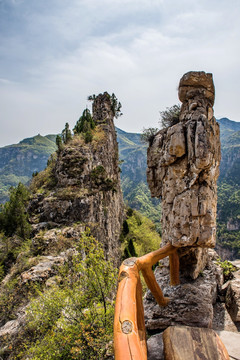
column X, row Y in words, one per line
column 79, row 190
column 221, row 319
column 86, row 184
column 187, row 343
column 183, row 167
column 233, row 297
column 191, row 302
column 155, row 347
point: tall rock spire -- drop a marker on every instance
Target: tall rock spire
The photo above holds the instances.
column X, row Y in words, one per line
column 183, row 167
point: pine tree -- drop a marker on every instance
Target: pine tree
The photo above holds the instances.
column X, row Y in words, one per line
column 66, row 134
column 85, row 123
column 13, row 216
column 59, row 143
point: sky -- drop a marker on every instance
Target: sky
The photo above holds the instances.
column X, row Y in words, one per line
column 54, row 53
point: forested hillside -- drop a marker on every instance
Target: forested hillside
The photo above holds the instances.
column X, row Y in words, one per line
column 228, row 231
column 19, row 161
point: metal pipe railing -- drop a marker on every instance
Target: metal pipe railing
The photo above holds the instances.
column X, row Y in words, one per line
column 129, row 327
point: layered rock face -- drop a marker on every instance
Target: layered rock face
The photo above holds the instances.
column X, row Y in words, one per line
column 183, row 167
column 79, row 189
column 86, row 181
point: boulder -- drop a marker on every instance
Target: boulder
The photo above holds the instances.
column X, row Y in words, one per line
column 43, row 270
column 191, row 302
column 155, row 347
column 221, row 318
column 233, row 297
column 188, row 343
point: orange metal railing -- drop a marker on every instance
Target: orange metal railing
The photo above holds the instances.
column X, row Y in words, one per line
column 129, row 326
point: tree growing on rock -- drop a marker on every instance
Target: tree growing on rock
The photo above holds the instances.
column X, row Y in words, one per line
column 13, row 215
column 85, row 123
column 147, row 135
column 116, row 106
column 59, row 143
column 66, row 134
column 170, row 116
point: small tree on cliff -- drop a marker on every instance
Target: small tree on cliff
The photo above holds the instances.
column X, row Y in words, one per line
column 84, row 123
column 66, row 134
column 116, row 106
column 59, row 143
column 13, row 215
column 170, row 116
column 147, row 135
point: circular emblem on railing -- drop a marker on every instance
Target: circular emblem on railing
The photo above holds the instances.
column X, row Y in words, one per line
column 127, row 327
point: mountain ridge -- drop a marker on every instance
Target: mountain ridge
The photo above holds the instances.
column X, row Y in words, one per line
column 31, row 155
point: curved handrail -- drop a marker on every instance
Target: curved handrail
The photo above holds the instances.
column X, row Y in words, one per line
column 129, row 326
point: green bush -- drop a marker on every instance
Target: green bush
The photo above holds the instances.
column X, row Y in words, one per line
column 139, row 235
column 13, row 215
column 85, row 125
column 147, row 135
column 228, row 269
column 170, row 116
column 73, row 320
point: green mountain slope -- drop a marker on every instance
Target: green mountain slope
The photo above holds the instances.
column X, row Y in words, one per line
column 18, row 162
column 230, row 144
column 136, row 193
column 228, row 230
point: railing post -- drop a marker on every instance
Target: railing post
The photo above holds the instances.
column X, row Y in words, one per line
column 129, row 326
column 174, row 268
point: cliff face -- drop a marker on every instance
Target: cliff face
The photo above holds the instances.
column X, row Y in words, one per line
column 85, row 184
column 79, row 189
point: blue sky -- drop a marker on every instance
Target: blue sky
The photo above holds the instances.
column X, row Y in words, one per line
column 54, row 53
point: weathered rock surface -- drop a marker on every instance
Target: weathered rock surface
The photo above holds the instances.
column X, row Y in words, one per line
column 183, row 167
column 43, row 270
column 80, row 189
column 191, row 302
column 233, row 297
column 155, row 347
column 221, row 318
column 86, row 180
column 187, row 343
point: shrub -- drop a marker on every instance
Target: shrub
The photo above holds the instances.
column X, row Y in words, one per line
column 85, row 123
column 170, row 116
column 66, row 134
column 147, row 135
column 13, row 215
column 228, row 269
column 74, row 320
column 139, row 235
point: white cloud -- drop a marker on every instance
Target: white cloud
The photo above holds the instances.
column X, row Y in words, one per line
column 136, row 49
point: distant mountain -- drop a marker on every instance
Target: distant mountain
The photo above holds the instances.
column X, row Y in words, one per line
column 230, row 144
column 228, row 127
column 18, row 162
column 228, row 230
